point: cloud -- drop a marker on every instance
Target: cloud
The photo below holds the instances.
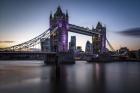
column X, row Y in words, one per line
column 6, row 41
column 134, row 32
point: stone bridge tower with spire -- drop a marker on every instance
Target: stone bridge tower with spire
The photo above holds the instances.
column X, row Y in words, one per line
column 99, row 41
column 59, row 40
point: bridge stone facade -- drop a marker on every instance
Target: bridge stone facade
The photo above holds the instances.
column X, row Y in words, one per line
column 99, row 41
column 59, row 40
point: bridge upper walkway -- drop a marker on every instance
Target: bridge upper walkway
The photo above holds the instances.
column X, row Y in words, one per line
column 82, row 30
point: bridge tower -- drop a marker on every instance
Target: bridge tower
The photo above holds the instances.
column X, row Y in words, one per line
column 99, row 41
column 59, row 40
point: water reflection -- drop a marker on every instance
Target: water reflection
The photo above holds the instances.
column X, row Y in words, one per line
column 99, row 78
column 58, row 80
column 81, row 77
column 78, row 79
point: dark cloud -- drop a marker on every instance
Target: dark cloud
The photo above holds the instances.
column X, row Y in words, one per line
column 134, row 32
column 6, row 41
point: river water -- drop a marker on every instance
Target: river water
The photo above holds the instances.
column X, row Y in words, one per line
column 82, row 77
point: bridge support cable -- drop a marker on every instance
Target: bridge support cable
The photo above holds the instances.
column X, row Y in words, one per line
column 111, row 47
column 47, row 35
column 30, row 43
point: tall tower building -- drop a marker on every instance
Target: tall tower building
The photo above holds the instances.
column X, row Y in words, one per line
column 72, row 44
column 45, row 45
column 88, row 48
column 59, row 40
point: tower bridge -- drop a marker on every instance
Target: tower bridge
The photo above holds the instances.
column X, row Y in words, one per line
column 58, row 38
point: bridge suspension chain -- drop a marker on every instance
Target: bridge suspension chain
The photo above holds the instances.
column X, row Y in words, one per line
column 32, row 42
column 111, row 47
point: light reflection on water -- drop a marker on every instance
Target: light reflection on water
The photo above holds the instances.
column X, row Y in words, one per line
column 82, row 77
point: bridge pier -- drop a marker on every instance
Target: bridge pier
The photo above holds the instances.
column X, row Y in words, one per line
column 66, row 58
column 60, row 58
column 50, row 59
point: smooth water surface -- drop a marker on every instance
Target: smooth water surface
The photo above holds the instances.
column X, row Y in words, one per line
column 82, row 77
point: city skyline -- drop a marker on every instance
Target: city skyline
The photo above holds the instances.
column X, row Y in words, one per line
column 22, row 20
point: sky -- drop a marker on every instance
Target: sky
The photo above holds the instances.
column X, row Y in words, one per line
column 22, row 20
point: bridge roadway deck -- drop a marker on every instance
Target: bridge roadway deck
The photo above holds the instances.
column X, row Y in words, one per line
column 25, row 55
column 26, row 52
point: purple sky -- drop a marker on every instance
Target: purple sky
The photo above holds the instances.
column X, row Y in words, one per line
column 21, row 20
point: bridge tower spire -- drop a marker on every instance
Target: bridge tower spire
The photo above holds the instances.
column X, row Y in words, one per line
column 99, row 41
column 59, row 40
